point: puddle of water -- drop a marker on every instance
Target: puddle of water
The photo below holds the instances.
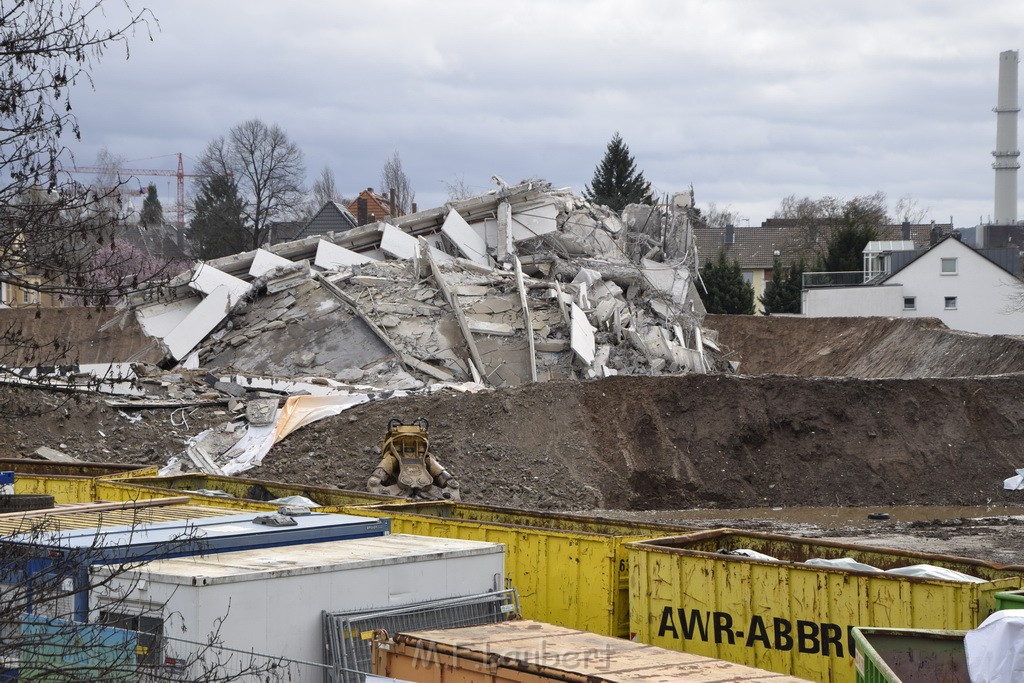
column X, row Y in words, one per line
column 824, row 518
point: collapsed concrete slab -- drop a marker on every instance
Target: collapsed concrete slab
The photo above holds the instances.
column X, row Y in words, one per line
column 199, row 322
column 266, row 261
column 470, row 244
column 330, row 256
column 524, row 283
column 207, row 279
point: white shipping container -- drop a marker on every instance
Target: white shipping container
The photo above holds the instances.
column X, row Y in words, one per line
column 270, row 599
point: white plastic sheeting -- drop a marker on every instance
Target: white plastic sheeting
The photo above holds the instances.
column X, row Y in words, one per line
column 1015, row 483
column 995, row 650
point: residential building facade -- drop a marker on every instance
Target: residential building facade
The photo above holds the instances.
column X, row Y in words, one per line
column 970, row 290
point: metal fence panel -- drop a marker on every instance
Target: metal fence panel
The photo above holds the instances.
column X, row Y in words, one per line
column 347, row 635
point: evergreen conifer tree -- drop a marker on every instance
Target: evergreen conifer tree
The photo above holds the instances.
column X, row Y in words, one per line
column 218, row 225
column 782, row 293
column 152, row 212
column 617, row 182
column 726, row 290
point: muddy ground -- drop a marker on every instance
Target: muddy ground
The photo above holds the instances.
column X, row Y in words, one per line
column 665, row 443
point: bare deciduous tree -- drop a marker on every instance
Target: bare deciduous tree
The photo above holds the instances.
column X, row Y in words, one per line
column 268, row 168
column 50, row 225
column 324, row 190
column 718, row 217
column 908, row 209
column 457, row 188
column 393, row 177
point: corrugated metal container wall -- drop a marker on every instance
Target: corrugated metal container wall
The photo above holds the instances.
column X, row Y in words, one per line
column 532, row 652
column 64, row 489
column 790, row 617
column 66, row 482
column 569, row 570
column 78, row 469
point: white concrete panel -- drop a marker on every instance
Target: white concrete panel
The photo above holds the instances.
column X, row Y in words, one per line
column 394, row 242
column 206, row 279
column 199, row 322
column 538, row 220
column 487, row 229
column 469, row 243
column 399, row 244
column 582, row 336
column 266, row 261
column 670, row 280
column 330, row 256
column 157, row 320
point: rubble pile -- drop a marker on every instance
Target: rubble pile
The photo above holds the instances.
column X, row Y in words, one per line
column 523, row 284
column 527, row 283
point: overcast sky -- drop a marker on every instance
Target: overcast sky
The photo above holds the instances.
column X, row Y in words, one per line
column 748, row 102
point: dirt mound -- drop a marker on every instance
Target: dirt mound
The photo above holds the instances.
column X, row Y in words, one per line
column 862, row 347
column 638, row 443
column 695, row 441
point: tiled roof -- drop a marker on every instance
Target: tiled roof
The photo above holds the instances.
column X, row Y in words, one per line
column 378, row 207
column 332, row 217
column 755, row 247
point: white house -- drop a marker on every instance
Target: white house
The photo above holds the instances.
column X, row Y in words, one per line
column 951, row 281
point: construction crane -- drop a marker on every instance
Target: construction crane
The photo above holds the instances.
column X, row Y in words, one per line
column 180, row 174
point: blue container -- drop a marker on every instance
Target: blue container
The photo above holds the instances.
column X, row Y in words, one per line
column 6, row 478
column 59, row 562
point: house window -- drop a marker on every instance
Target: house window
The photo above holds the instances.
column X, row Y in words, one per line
column 909, row 303
column 950, row 303
column 748, row 277
column 948, row 266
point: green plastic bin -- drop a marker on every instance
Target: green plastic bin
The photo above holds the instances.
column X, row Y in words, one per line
column 1010, row 600
column 900, row 655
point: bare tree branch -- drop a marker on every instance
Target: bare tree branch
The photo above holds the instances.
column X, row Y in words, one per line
column 268, row 169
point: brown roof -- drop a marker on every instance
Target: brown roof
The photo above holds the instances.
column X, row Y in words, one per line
column 755, row 247
column 377, row 206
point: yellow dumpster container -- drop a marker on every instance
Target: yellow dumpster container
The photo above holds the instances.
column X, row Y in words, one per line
column 77, row 469
column 686, row 593
column 261, row 491
column 66, row 482
column 570, row 570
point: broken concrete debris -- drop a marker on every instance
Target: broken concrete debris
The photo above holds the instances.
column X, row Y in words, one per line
column 53, row 455
column 521, row 284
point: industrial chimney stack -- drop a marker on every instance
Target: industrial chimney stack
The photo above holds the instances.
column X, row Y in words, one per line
column 1006, row 153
